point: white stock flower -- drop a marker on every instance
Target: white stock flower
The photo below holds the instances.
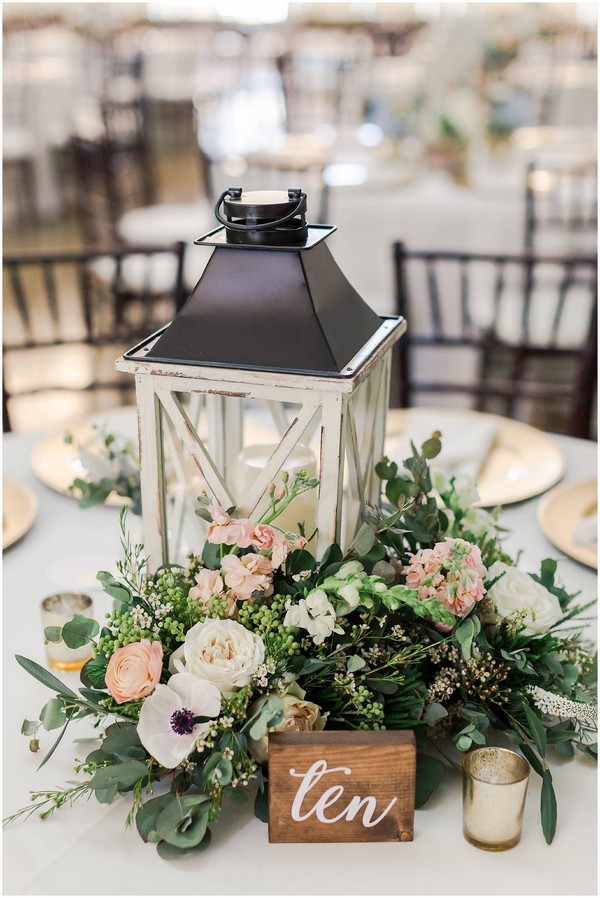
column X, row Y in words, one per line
column 315, row 614
column 167, row 727
column 349, row 568
column 465, row 491
column 221, row 651
column 480, row 523
column 440, row 480
column 517, row 592
column 559, row 706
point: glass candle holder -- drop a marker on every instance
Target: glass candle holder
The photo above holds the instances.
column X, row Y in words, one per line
column 494, row 789
column 56, row 611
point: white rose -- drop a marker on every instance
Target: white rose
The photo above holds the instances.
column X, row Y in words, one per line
column 480, row 523
column 221, row 651
column 299, row 716
column 316, row 614
column 517, row 591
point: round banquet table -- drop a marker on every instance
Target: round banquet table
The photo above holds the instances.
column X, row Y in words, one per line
column 85, row 850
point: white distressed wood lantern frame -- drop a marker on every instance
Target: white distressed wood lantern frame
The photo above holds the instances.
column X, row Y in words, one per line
column 350, row 410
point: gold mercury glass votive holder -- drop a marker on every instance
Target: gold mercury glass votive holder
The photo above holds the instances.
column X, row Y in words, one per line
column 56, row 611
column 494, row 789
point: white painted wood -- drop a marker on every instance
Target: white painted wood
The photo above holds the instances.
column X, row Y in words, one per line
column 374, row 483
column 357, row 487
column 278, row 456
column 331, row 473
column 279, row 416
column 196, row 448
column 152, row 473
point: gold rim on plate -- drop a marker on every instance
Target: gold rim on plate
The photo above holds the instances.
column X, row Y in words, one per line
column 19, row 511
column 523, row 461
column 561, row 509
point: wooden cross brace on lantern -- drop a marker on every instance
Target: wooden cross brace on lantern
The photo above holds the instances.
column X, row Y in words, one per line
column 349, row 414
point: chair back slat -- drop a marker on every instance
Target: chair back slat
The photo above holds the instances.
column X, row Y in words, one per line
column 518, row 314
column 92, row 298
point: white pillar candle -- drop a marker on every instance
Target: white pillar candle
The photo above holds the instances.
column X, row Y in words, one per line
column 303, row 508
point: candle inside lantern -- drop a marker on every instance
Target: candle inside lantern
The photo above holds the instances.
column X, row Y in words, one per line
column 303, row 508
column 494, row 789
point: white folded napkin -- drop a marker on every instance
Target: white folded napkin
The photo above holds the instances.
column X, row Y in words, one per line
column 466, row 439
column 585, row 531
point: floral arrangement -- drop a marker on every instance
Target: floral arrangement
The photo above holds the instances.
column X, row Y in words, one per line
column 424, row 623
column 112, row 466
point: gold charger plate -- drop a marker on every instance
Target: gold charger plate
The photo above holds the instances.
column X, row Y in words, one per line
column 523, row 461
column 19, row 510
column 561, row 510
column 57, row 464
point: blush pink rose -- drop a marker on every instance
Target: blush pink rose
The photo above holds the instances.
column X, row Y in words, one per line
column 245, row 575
column 134, row 670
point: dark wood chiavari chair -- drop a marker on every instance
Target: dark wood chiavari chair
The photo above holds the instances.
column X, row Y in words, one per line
column 509, row 331
column 561, row 203
column 66, row 320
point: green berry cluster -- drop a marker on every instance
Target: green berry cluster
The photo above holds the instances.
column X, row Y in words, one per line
column 122, row 632
column 371, row 712
column 266, row 619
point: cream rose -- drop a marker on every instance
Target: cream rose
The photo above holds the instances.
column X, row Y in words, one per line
column 516, row 591
column 221, row 651
column 299, row 716
column 134, row 670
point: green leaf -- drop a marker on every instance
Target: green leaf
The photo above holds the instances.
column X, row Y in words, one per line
column 94, row 672
column 170, row 852
column 386, row 687
column 431, row 447
column 44, row 676
column 30, row 727
column 147, row 816
column 122, row 742
column 300, row 560
column 261, row 803
column 355, row 663
column 463, row 743
column 548, row 807
column 332, row 555
column 430, row 773
column 270, row 715
column 434, row 713
column 53, row 714
column 211, row 556
column 538, row 731
column 364, row 540
column 117, row 778
column 386, row 469
column 79, row 631
column 113, row 588
column 533, row 759
column 183, row 822
column 56, row 744
column 53, row 634
column 239, row 795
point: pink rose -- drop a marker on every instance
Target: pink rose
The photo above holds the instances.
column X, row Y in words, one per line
column 243, row 576
column 134, row 670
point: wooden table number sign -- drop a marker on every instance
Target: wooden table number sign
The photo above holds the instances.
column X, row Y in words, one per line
column 341, row 786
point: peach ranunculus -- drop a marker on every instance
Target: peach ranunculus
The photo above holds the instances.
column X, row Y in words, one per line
column 227, row 531
column 268, row 539
column 452, row 572
column 209, row 584
column 134, row 670
column 246, row 574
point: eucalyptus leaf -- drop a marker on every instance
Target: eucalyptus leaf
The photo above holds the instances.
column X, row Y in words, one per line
column 261, row 803
column 30, row 727
column 53, row 714
column 434, row 713
column 548, row 807
column 364, row 540
column 79, row 631
column 113, row 588
column 53, row 634
column 170, row 852
column 355, row 662
column 44, row 676
column 147, row 816
column 121, row 777
column 430, row 773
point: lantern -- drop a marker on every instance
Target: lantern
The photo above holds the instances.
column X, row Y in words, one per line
column 274, row 364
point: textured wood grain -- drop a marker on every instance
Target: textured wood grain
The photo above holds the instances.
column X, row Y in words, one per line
column 381, row 765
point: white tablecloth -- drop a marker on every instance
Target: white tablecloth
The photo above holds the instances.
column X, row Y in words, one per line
column 85, row 849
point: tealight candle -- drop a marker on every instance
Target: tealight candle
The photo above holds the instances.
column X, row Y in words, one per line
column 494, row 789
column 57, row 610
column 303, row 508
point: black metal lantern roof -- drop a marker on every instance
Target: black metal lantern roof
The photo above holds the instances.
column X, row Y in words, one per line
column 271, row 296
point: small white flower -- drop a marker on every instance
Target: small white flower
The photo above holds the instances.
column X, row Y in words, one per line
column 316, row 614
column 440, row 480
column 221, row 651
column 167, row 727
column 480, row 523
column 559, row 706
column 517, row 592
column 465, row 491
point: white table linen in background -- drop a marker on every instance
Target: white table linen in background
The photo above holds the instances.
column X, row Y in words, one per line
column 85, row 849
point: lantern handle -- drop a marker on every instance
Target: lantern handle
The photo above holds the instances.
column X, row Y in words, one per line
column 266, row 226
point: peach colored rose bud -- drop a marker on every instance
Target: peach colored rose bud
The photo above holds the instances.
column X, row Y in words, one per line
column 134, row 670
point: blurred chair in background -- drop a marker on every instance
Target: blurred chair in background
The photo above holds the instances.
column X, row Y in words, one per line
column 508, row 332
column 561, row 207
column 65, row 322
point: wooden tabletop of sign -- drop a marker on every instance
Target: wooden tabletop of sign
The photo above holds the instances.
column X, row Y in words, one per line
column 340, row 786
